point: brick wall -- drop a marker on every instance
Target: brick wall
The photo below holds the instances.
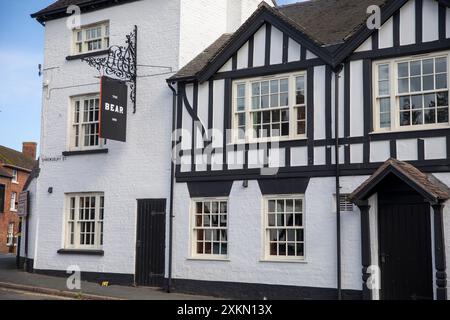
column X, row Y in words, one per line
column 9, row 216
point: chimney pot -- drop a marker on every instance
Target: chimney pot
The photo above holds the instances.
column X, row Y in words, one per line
column 29, row 149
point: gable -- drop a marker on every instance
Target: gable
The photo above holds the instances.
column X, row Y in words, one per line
column 406, row 22
column 268, row 46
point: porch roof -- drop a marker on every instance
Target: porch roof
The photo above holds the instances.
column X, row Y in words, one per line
column 427, row 185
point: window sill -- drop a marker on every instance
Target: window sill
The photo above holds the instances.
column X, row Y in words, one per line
column 255, row 141
column 208, row 259
column 87, row 55
column 443, row 127
column 15, row 182
column 82, row 252
column 84, row 152
column 283, row 261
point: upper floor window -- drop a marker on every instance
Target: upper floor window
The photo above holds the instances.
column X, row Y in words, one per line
column 85, row 123
column 84, row 218
column 270, row 107
column 15, row 176
column 412, row 93
column 210, row 228
column 91, row 38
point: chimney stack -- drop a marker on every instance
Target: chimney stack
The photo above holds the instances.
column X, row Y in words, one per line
column 29, row 149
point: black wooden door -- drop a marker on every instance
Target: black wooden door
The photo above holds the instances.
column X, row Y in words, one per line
column 150, row 242
column 405, row 248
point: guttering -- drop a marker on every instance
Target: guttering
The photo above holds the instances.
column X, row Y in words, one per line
column 172, row 184
column 337, row 73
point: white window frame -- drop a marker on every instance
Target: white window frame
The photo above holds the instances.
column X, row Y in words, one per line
column 266, row 229
column 293, row 107
column 395, row 95
column 10, row 238
column 15, row 176
column 73, row 124
column 13, row 206
column 76, row 231
column 83, row 41
column 193, row 230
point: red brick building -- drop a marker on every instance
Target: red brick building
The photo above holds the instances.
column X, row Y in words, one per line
column 15, row 168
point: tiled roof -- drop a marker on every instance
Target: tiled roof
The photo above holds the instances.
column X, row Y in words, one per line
column 427, row 182
column 15, row 158
column 327, row 23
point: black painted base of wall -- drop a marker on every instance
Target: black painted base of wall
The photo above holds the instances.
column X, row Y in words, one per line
column 227, row 290
column 251, row 291
column 119, row 279
column 26, row 264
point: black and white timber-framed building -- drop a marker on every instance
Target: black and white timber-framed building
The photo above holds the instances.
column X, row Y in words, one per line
column 310, row 153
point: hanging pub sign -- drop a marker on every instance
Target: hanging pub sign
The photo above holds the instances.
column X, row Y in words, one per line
column 23, row 204
column 113, row 109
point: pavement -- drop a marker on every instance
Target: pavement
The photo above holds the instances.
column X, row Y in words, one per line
column 21, row 285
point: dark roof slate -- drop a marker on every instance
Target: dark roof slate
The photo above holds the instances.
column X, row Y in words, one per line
column 15, row 158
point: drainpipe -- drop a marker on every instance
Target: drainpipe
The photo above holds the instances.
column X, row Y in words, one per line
column 172, row 184
column 337, row 72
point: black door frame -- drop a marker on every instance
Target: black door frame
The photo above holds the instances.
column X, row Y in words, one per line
column 148, row 210
column 440, row 288
column 422, row 211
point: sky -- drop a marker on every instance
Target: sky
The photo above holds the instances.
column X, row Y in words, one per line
column 21, row 51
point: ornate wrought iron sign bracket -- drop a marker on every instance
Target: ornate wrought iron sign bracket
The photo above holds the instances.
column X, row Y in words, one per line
column 120, row 63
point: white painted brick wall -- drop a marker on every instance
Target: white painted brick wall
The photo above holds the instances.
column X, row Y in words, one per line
column 169, row 33
column 245, row 240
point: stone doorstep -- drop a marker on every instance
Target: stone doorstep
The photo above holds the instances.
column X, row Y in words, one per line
column 55, row 292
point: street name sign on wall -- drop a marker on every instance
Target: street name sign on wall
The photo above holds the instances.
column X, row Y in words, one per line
column 23, row 204
column 113, row 109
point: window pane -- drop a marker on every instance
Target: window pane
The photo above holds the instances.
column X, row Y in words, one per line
column 240, row 104
column 264, row 102
column 256, row 103
column 385, row 105
column 416, row 102
column 383, row 72
column 403, row 85
column 384, row 89
column 284, row 99
column 428, row 83
column 284, row 85
column 274, row 86
column 300, row 84
column 430, row 116
column 300, row 97
column 442, row 99
column 442, row 115
column 274, row 100
column 441, row 81
column 241, row 90
column 403, row 69
column 427, row 66
column 430, row 100
column 405, row 103
column 265, row 87
column 441, row 65
column 417, row 117
column 385, row 120
column 416, row 68
column 405, row 118
column 416, row 84
column 256, row 89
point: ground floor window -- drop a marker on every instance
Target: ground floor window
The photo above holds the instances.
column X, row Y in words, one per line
column 210, row 228
column 284, row 227
column 85, row 220
column 10, row 235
